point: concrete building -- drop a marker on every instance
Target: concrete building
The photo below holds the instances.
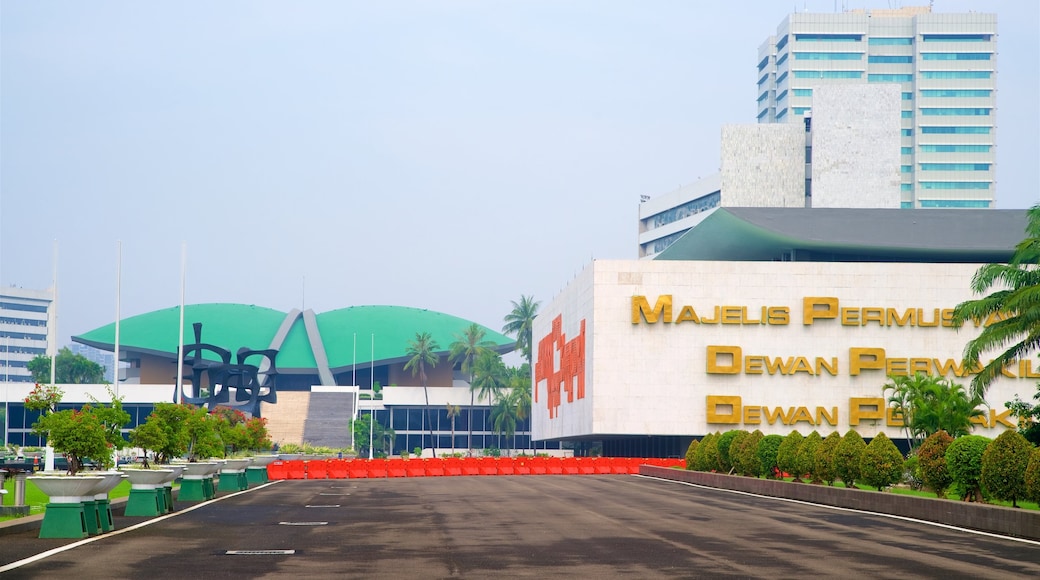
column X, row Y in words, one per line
column 844, row 155
column 27, row 322
column 776, row 319
column 945, row 66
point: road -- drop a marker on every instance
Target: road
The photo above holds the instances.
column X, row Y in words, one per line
column 517, row 527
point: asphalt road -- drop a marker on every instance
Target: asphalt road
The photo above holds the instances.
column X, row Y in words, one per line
column 517, row 527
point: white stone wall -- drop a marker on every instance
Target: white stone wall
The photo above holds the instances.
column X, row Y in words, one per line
column 644, row 379
column 763, row 165
column 855, row 146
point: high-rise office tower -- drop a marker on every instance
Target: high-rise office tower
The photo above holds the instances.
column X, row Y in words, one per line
column 945, row 66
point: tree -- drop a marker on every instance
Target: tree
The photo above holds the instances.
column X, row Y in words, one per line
column 519, row 383
column 824, row 465
column 691, row 454
column 503, row 418
column 848, row 456
column 1004, row 466
column 382, row 439
column 70, row 369
column 464, row 352
column 203, row 432
column 1010, row 315
column 787, row 455
column 1028, row 416
column 112, row 418
column 453, row 411
column 930, row 404
column 725, row 441
column 744, row 454
column 882, row 463
column 79, row 435
column 767, row 451
column 806, row 459
column 931, row 459
column 171, row 419
column 148, row 436
column 707, row 456
column 1033, row 475
column 964, row 462
column 520, row 322
column 421, row 352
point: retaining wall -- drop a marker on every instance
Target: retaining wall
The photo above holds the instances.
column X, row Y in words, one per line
column 988, row 518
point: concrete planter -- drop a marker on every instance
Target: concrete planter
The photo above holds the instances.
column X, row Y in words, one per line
column 65, row 517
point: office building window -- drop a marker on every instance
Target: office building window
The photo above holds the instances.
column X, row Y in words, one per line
column 762, row 64
column 955, row 55
column 906, row 187
column 801, row 110
column 956, row 74
column 828, row 74
column 781, row 78
column 883, row 41
column 828, row 56
column 906, row 132
column 957, row 37
column 955, row 166
column 955, row 130
column 782, row 59
column 803, row 92
column 906, row 168
column 956, row 92
column 828, row 37
column 906, row 205
column 889, row 78
column 781, row 96
column 782, row 43
column 954, row 184
column 955, row 148
column 908, row 96
column 781, row 114
column 964, row 111
column 763, row 96
column 958, row 203
column 906, row 150
column 906, row 114
column 889, row 59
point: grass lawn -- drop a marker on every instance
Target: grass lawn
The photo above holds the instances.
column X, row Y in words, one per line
column 36, row 500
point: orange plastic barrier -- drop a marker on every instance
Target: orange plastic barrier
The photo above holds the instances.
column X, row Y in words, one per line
column 488, row 466
column 276, row 470
column 554, row 466
column 505, row 465
column 538, row 465
column 357, row 469
column 471, row 466
column 317, row 469
column 338, row 468
column 378, row 468
column 434, row 467
column 601, row 465
column 295, row 469
column 571, row 466
column 522, row 466
column 452, row 466
column 415, row 467
column 618, row 465
column 396, row 468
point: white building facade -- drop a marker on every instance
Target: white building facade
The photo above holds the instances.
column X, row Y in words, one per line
column 945, row 66
column 643, row 349
column 27, row 327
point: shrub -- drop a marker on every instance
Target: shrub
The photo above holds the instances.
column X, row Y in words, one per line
column 882, row 463
column 691, row 454
column 806, row 460
column 767, row 451
column 787, row 455
column 823, row 462
column 734, row 448
column 932, row 462
column 912, row 473
column 698, row 455
column 964, row 462
column 1033, row 475
column 848, row 456
column 745, row 460
column 708, row 452
column 725, row 442
column 1004, row 466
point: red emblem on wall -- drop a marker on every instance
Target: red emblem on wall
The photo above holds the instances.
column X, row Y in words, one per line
column 572, row 366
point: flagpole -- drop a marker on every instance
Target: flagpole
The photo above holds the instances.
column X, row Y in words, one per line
column 180, row 331
column 48, row 452
column 372, row 386
column 119, row 275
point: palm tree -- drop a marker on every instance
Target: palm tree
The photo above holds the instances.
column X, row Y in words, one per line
column 453, row 411
column 465, row 350
column 1011, row 314
column 503, row 418
column 520, row 321
column 520, row 391
column 422, row 352
column 489, row 376
column 930, row 404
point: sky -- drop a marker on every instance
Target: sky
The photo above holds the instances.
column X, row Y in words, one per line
column 447, row 155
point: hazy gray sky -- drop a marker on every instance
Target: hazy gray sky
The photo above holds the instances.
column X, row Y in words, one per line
column 441, row 155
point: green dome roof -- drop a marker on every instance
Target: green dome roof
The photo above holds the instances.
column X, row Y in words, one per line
column 233, row 326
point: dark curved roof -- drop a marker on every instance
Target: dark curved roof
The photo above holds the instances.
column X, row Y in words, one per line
column 232, row 326
column 825, row 234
